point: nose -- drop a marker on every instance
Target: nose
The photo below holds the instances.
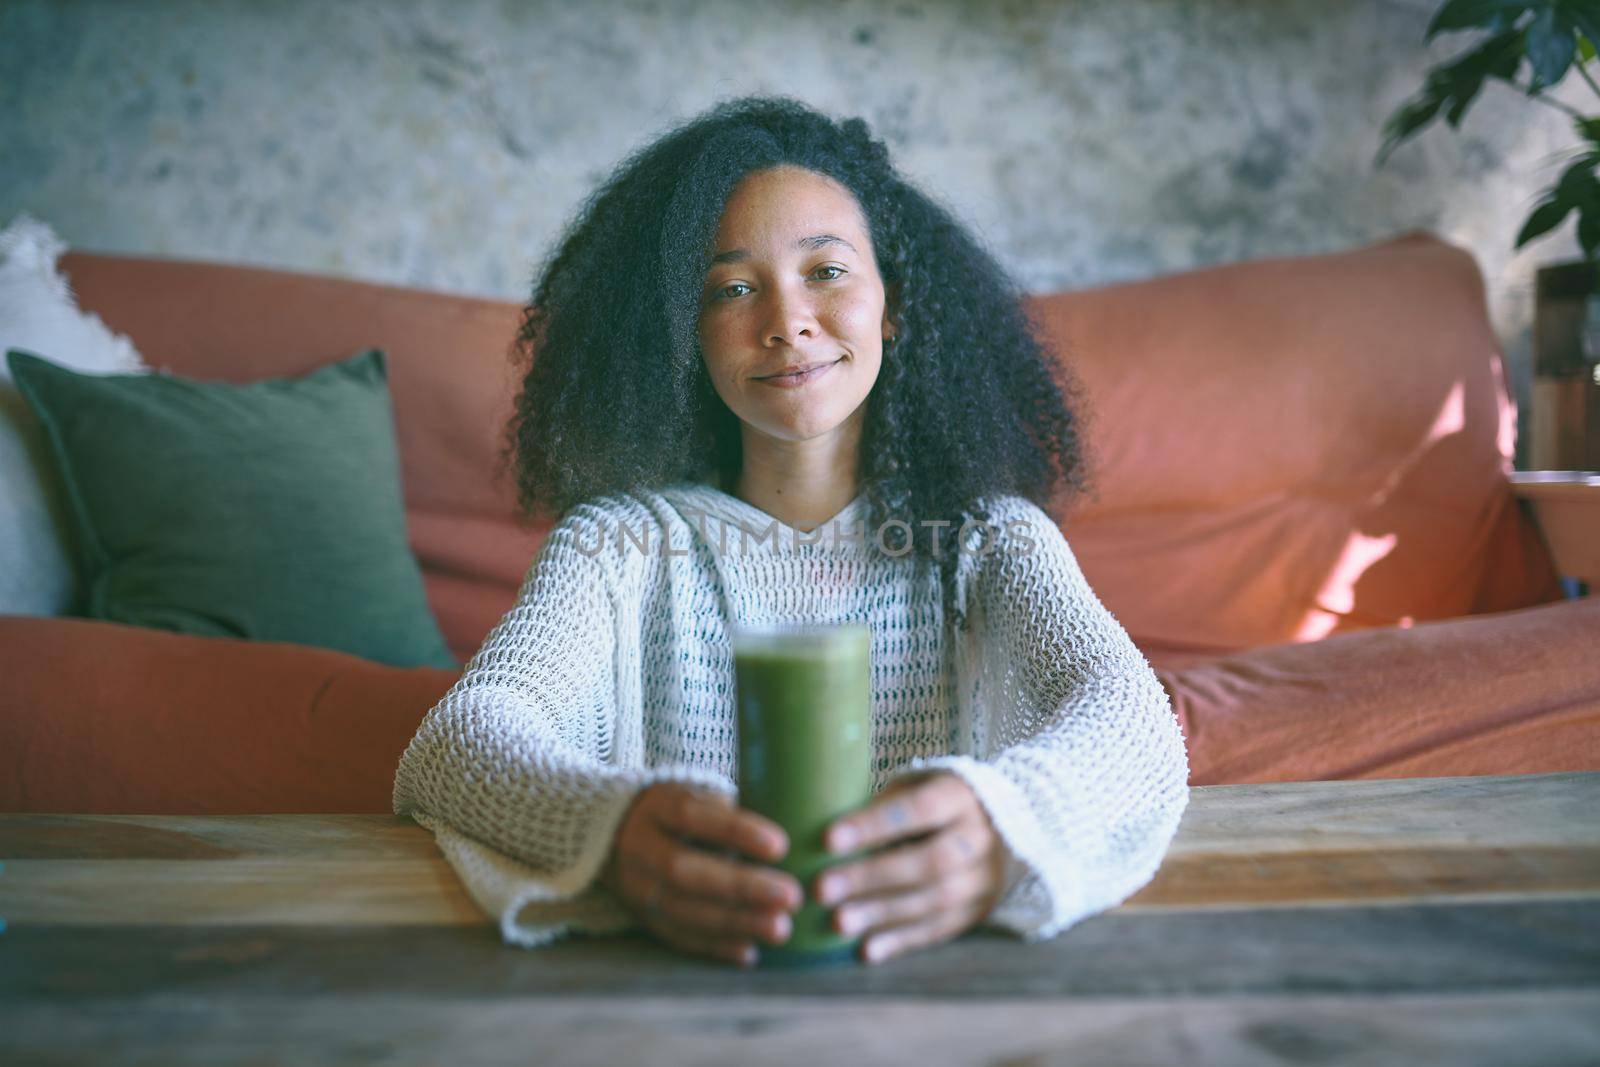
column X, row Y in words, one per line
column 789, row 317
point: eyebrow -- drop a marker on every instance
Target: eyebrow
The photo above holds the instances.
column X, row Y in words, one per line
column 818, row 240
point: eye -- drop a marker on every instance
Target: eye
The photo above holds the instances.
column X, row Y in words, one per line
column 837, row 271
column 724, row 292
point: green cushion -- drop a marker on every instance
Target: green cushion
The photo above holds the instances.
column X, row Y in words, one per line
column 270, row 510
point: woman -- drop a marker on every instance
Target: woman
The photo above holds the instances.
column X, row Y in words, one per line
column 757, row 322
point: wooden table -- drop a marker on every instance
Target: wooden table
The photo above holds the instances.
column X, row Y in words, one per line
column 1447, row 920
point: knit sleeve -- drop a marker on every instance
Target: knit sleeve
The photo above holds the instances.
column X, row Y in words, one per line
column 515, row 770
column 1080, row 760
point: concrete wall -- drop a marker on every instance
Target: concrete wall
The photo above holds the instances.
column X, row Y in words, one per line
column 444, row 143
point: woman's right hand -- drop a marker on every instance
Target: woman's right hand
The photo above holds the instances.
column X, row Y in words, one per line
column 699, row 900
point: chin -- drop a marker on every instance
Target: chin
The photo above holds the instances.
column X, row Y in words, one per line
column 802, row 431
column 805, row 428
column 801, row 417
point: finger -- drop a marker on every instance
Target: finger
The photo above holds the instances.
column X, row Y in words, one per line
column 900, row 812
column 897, row 940
column 716, row 819
column 947, row 853
column 690, row 871
column 738, row 950
column 863, row 915
column 719, row 919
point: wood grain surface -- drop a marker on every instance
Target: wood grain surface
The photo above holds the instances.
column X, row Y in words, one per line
column 1452, row 920
column 1555, row 1029
column 1294, row 844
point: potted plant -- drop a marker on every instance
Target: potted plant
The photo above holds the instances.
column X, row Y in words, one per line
column 1551, row 39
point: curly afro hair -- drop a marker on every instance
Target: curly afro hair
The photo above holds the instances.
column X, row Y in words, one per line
column 616, row 397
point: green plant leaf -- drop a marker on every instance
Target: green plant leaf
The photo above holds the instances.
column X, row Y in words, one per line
column 1546, row 217
column 1498, row 57
column 1589, row 129
column 1578, row 178
column 1551, row 46
column 1411, row 116
column 1589, row 231
column 1455, row 84
column 1577, row 189
column 1493, row 15
column 1586, row 17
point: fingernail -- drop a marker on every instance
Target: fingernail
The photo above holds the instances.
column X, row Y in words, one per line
column 847, row 923
column 844, row 840
column 782, row 929
column 827, row 890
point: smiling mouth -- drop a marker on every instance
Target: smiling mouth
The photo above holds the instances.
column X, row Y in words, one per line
column 804, row 374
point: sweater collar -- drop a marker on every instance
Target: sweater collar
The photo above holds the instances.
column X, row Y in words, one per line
column 694, row 498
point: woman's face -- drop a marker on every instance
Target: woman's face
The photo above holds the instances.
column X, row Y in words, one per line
column 793, row 285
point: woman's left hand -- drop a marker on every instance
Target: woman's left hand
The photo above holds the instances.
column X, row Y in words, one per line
column 921, row 892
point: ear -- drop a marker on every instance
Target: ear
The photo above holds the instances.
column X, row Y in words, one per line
column 891, row 299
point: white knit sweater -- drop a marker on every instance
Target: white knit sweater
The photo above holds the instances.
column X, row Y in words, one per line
column 614, row 671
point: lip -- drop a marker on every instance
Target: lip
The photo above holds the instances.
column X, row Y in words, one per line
column 790, row 380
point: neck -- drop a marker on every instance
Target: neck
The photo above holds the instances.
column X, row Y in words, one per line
column 802, row 484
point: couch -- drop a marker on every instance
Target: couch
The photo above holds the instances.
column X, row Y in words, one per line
column 1305, row 516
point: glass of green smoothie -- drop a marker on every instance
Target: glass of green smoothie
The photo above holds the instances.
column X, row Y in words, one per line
column 805, row 736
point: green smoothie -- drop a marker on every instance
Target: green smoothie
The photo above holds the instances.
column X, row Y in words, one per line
column 805, row 738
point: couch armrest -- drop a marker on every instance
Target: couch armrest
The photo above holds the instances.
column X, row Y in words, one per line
column 1566, row 505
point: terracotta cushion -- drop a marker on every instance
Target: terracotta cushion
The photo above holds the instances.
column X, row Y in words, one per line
column 104, row 717
column 1511, row 693
column 1292, row 448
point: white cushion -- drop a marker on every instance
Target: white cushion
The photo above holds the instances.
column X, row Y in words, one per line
column 39, row 315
